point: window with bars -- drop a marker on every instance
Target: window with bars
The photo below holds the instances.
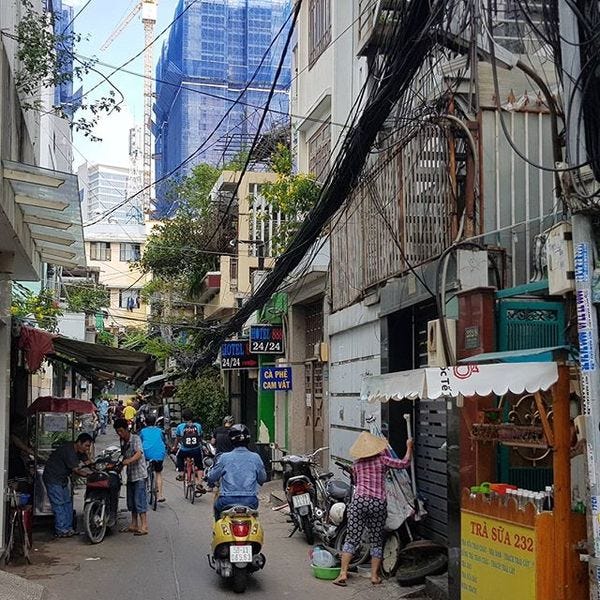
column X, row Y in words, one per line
column 99, row 250
column 319, row 149
column 233, row 274
column 129, row 252
column 263, row 220
column 319, row 29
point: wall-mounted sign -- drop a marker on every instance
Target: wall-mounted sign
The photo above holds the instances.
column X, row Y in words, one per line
column 266, row 339
column 276, row 379
column 497, row 559
column 235, row 354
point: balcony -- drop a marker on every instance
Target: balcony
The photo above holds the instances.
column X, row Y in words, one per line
column 211, row 285
column 375, row 24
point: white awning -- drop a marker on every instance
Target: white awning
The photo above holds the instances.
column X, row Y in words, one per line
column 464, row 380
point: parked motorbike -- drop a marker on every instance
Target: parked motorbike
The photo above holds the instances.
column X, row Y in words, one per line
column 101, row 504
column 236, row 546
column 208, row 454
column 300, row 487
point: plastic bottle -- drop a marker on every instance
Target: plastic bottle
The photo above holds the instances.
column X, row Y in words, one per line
column 539, row 502
column 322, row 557
column 548, row 498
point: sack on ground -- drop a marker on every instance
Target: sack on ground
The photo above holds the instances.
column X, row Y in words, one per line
column 400, row 506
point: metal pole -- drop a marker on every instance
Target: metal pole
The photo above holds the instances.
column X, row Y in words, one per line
column 587, row 318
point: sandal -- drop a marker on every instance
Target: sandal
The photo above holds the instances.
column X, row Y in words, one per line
column 162, row 500
column 339, row 582
column 141, row 532
column 128, row 529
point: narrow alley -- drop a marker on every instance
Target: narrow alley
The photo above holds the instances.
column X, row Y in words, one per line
column 171, row 563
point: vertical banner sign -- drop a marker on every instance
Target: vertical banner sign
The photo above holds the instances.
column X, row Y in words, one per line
column 497, row 559
column 235, row 354
column 276, row 379
column 266, row 339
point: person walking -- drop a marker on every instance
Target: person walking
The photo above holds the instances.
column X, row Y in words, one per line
column 137, row 471
column 155, row 450
column 188, row 444
column 368, row 507
column 61, row 464
column 220, row 439
column 103, row 407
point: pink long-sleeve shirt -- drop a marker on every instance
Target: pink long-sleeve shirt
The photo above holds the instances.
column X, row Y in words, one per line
column 369, row 474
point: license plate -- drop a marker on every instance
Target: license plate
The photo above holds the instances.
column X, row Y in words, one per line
column 240, row 554
column 301, row 500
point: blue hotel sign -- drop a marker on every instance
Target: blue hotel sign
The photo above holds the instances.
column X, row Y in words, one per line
column 235, row 354
column 276, row 379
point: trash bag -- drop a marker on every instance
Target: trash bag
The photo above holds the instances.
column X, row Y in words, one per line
column 400, row 501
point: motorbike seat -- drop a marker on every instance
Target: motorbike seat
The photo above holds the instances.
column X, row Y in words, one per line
column 325, row 476
column 337, row 489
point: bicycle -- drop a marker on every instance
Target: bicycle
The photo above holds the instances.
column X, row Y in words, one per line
column 18, row 532
column 189, row 479
column 151, row 486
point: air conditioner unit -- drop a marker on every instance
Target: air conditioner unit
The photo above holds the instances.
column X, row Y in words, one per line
column 435, row 346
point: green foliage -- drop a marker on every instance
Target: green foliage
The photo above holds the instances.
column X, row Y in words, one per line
column 106, row 338
column 87, row 298
column 205, row 396
column 294, row 195
column 42, row 307
column 155, row 346
column 47, row 61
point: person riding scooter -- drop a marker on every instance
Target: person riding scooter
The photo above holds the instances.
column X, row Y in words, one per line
column 240, row 471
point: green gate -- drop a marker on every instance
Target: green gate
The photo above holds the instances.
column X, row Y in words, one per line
column 523, row 324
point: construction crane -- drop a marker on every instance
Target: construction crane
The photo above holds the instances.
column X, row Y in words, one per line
column 148, row 9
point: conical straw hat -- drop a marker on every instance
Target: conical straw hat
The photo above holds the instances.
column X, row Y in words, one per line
column 367, row 445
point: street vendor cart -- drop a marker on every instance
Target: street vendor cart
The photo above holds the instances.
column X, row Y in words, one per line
column 514, row 543
column 54, row 424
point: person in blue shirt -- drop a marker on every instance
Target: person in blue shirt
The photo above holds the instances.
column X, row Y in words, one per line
column 155, row 450
column 103, row 407
column 240, row 471
column 188, row 444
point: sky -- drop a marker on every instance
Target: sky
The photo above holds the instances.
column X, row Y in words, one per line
column 95, row 24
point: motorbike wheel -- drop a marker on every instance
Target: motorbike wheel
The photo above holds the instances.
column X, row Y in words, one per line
column 362, row 552
column 391, row 554
column 307, row 528
column 239, row 580
column 415, row 567
column 94, row 528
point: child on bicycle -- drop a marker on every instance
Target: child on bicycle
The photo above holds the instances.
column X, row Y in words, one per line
column 188, row 444
column 155, row 450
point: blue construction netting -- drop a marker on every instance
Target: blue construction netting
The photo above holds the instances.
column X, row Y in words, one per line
column 210, row 56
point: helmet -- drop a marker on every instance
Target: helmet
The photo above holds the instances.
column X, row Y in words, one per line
column 228, row 420
column 336, row 513
column 239, row 434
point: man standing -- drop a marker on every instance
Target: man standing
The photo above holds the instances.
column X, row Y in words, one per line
column 220, row 439
column 137, row 501
column 103, row 414
column 61, row 463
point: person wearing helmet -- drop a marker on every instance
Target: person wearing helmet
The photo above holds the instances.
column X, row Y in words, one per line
column 220, row 439
column 240, row 472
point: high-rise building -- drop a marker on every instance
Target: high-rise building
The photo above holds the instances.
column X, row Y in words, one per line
column 213, row 54
column 104, row 187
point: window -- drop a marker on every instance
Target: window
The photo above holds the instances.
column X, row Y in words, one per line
column 99, row 250
column 129, row 299
column 233, row 274
column 129, row 252
column 319, row 29
column 319, row 149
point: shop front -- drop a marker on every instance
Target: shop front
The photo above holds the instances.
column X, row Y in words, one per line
column 522, row 542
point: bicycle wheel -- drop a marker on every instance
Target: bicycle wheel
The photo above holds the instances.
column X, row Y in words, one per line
column 7, row 555
column 151, row 487
column 22, row 537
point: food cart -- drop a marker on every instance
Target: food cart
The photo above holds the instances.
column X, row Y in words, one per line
column 54, row 424
column 509, row 546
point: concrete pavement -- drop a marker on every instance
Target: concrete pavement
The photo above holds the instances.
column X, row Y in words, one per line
column 170, row 563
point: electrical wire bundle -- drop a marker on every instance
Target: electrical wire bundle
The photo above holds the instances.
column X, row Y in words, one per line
column 411, row 39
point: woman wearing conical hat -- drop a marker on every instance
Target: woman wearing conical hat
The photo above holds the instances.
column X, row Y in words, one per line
column 369, row 506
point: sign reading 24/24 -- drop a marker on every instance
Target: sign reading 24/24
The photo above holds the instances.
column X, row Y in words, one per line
column 276, row 379
column 266, row 339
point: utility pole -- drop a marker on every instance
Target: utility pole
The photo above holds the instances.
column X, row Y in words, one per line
column 587, row 316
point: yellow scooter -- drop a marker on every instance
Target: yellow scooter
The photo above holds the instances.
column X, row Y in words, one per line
column 236, row 546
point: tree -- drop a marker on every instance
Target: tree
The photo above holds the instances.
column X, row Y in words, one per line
column 46, row 54
column 41, row 308
column 291, row 194
column 86, row 298
column 205, row 396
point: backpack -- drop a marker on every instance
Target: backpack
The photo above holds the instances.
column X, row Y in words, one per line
column 190, row 438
